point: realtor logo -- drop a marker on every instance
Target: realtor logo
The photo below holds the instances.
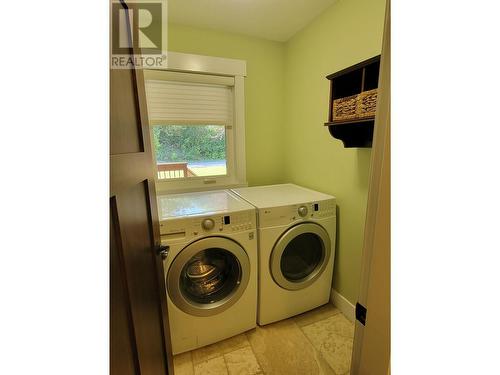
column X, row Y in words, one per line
column 138, row 34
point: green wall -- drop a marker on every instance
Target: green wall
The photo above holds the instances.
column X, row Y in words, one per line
column 264, row 99
column 286, row 98
column 346, row 33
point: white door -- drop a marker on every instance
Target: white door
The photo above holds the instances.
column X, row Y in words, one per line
column 372, row 337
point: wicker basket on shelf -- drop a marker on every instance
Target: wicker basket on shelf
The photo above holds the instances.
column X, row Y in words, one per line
column 345, row 108
column 354, row 107
column 367, row 103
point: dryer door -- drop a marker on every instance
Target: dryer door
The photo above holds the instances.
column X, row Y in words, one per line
column 300, row 256
column 208, row 276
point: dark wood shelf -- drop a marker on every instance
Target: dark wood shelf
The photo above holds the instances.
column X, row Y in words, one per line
column 352, row 68
column 357, row 133
column 353, row 121
column 352, row 81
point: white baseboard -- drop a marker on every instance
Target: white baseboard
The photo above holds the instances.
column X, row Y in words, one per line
column 343, row 304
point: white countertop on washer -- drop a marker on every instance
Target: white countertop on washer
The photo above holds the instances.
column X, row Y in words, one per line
column 200, row 203
column 280, row 195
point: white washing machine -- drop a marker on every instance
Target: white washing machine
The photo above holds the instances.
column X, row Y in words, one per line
column 210, row 267
column 296, row 231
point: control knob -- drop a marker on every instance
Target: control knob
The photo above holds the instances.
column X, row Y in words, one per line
column 302, row 211
column 208, row 224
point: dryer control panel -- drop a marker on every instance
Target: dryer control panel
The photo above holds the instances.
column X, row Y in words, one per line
column 285, row 215
column 198, row 226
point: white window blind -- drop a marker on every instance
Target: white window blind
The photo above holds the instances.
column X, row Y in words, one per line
column 181, row 102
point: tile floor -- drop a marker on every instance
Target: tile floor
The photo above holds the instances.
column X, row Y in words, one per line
column 316, row 342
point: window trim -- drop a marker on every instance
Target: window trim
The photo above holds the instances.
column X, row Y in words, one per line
column 209, row 69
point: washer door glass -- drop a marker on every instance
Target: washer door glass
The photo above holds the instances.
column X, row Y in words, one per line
column 300, row 256
column 208, row 276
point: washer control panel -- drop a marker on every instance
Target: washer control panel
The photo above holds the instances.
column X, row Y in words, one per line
column 288, row 214
column 189, row 227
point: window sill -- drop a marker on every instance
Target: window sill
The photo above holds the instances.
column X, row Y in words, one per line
column 167, row 188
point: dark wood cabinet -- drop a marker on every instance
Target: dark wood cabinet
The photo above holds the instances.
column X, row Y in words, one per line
column 350, row 84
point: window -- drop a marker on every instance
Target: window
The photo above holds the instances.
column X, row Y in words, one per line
column 194, row 130
column 186, row 151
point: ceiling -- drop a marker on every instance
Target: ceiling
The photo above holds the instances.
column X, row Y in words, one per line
column 270, row 19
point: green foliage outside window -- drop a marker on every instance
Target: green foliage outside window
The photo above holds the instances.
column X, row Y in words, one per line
column 177, row 143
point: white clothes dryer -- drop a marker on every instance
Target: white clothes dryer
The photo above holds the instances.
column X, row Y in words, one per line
column 296, row 232
column 210, row 267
